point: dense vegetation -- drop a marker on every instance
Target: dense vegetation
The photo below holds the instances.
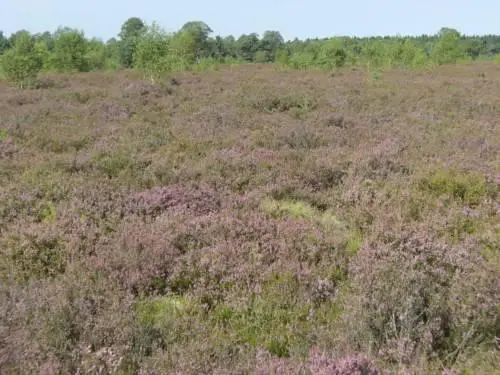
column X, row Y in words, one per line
column 248, row 218
column 154, row 52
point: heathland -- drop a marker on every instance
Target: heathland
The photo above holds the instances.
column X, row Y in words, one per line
column 251, row 220
column 181, row 204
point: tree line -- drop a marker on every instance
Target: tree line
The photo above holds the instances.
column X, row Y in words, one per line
column 154, row 52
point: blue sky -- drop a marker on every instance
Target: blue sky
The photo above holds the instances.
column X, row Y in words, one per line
column 307, row 18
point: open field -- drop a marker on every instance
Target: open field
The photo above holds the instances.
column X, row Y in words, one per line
column 251, row 221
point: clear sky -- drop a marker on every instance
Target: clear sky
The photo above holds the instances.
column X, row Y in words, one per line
column 293, row 18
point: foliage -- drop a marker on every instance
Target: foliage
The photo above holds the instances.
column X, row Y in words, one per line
column 152, row 56
column 132, row 27
column 70, row 51
column 96, row 55
column 129, row 34
column 331, row 56
column 270, row 42
column 4, row 42
column 447, row 48
column 413, row 288
column 248, row 46
column 22, row 63
column 195, row 35
column 194, row 41
column 469, row 188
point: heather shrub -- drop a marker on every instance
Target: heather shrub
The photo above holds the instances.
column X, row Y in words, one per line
column 269, row 102
column 43, row 181
column 324, row 177
column 7, row 145
column 82, row 97
column 299, row 137
column 176, row 198
column 317, row 363
column 408, row 300
column 34, row 255
column 59, row 146
column 69, row 325
column 231, row 221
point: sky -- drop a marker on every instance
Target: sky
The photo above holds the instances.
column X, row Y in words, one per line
column 293, row 18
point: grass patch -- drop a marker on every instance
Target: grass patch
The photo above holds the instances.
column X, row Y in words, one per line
column 47, row 212
column 296, row 209
column 354, row 243
column 471, row 189
column 3, row 134
column 273, row 319
column 155, row 311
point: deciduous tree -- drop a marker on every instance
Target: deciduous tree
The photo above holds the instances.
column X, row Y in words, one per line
column 129, row 34
column 21, row 64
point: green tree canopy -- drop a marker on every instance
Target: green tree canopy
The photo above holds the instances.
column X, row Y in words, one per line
column 4, row 42
column 199, row 32
column 446, row 50
column 271, row 41
column 21, row 63
column 70, row 49
column 131, row 28
column 248, row 45
column 129, row 34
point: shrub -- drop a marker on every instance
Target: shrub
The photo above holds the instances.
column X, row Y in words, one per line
column 206, row 64
column 414, row 299
column 282, row 56
column 302, row 60
column 317, row 363
column 332, row 56
column 35, row 255
column 260, row 57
